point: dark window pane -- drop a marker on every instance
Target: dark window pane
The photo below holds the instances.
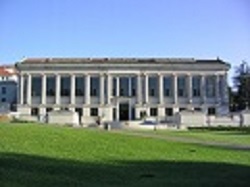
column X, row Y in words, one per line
column 51, row 85
column 36, row 85
column 65, row 86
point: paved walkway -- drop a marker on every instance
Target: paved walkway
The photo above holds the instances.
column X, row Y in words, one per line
column 184, row 140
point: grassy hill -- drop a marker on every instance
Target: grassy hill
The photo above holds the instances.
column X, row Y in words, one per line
column 43, row 155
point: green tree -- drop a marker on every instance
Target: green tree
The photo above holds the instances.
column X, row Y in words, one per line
column 242, row 86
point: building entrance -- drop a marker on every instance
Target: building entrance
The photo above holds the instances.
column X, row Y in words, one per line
column 124, row 111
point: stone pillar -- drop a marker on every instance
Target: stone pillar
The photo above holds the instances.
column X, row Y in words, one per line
column 29, row 87
column 58, row 89
column 190, row 88
column 72, row 89
column 102, row 96
column 21, row 89
column 203, row 89
column 109, row 88
column 129, row 86
column 161, row 96
column 175, row 88
column 44, row 89
column 87, row 89
column 146, row 88
column 139, row 89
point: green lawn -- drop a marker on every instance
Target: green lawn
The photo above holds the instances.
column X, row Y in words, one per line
column 235, row 137
column 43, row 155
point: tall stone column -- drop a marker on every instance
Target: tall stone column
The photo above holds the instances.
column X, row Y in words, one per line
column 203, row 89
column 175, row 88
column 139, row 89
column 109, row 88
column 73, row 89
column 161, row 96
column 190, row 88
column 44, row 88
column 21, row 89
column 102, row 96
column 87, row 89
column 29, row 87
column 129, row 86
column 58, row 89
column 146, row 88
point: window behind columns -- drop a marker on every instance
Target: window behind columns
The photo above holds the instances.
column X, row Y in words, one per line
column 51, row 86
column 25, row 88
column 221, row 85
column 143, row 87
column 65, row 85
column 79, row 85
column 94, row 86
column 210, row 86
column 133, row 85
column 153, row 86
column 124, row 82
column 167, row 85
column 182, row 92
column 114, row 86
column 36, row 88
column 196, row 81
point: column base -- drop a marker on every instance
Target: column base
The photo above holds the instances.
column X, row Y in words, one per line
column 24, row 110
column 161, row 111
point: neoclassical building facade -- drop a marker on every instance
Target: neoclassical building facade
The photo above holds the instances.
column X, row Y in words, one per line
column 122, row 89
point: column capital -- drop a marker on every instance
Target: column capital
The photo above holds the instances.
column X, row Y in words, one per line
column 174, row 74
column 160, row 74
column 102, row 74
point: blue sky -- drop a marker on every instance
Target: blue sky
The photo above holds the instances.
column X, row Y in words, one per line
column 125, row 28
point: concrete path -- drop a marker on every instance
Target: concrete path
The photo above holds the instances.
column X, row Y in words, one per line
column 184, row 140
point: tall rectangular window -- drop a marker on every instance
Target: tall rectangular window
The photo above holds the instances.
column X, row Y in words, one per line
column 210, row 86
column 25, row 88
column 79, row 85
column 124, row 88
column 133, row 86
column 221, row 85
column 114, row 86
column 196, row 81
column 65, row 86
column 167, row 85
column 94, row 86
column 36, row 88
column 182, row 92
column 153, row 86
column 51, row 85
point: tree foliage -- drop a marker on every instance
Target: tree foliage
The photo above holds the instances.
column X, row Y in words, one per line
column 241, row 96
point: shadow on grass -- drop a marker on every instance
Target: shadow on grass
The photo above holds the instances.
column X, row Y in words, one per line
column 26, row 170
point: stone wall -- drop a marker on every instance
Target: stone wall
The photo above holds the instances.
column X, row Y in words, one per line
column 190, row 118
column 63, row 117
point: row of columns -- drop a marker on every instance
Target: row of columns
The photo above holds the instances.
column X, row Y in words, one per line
column 109, row 88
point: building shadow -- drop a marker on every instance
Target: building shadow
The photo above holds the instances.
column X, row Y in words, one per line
column 30, row 170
